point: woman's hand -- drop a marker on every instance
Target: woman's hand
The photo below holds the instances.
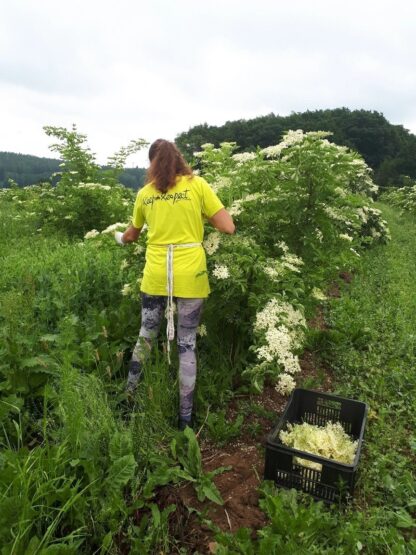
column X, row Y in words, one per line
column 131, row 234
column 118, row 236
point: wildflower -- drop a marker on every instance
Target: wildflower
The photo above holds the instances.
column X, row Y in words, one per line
column 221, row 271
column 286, row 384
column 212, row 242
column 126, row 289
column 202, row 330
column 345, row 237
column 91, row 234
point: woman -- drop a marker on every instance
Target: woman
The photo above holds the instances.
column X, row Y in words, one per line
column 173, row 204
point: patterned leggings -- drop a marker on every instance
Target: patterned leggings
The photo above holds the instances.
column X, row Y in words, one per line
column 189, row 313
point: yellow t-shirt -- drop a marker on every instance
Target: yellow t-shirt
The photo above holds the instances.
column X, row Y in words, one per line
column 176, row 217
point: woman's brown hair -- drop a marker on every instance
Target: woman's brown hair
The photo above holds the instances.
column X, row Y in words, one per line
column 166, row 162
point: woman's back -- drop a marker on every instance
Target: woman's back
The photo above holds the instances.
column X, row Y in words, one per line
column 175, row 217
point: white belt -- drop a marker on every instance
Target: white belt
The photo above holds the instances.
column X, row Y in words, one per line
column 170, row 327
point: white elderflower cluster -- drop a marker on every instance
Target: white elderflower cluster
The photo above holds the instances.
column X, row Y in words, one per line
column 139, row 249
column 243, row 157
column 113, row 227
column 319, row 235
column 124, row 265
column 273, row 151
column 291, row 262
column 279, row 347
column 291, row 138
column 220, row 183
column 253, row 196
column 94, row 186
column 126, row 289
column 340, row 192
column 362, row 214
column 212, row 242
column 286, row 384
column 237, row 206
column 91, row 234
column 202, row 330
column 345, row 237
column 277, row 311
column 333, row 213
column 318, row 294
column 221, row 271
column 282, row 245
column 359, row 162
column 271, row 272
column 276, row 268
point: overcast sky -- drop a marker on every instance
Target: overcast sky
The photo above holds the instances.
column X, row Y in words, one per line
column 124, row 69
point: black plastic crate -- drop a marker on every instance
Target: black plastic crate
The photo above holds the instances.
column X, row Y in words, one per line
column 335, row 482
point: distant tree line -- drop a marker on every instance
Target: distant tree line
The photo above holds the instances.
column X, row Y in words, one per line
column 390, row 150
column 25, row 169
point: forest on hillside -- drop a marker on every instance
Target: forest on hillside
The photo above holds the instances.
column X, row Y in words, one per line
column 25, row 169
column 390, row 150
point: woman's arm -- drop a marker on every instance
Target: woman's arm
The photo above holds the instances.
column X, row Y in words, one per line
column 223, row 221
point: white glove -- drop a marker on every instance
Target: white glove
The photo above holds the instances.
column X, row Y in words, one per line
column 118, row 236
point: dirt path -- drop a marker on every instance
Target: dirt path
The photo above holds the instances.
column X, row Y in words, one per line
column 245, row 457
